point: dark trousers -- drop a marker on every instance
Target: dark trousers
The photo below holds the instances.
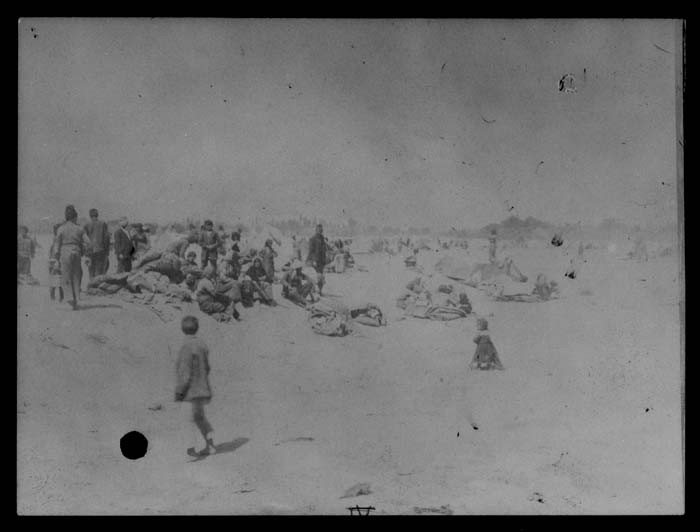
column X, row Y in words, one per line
column 53, row 292
column 209, row 257
column 99, row 262
column 124, row 265
column 24, row 265
column 71, row 273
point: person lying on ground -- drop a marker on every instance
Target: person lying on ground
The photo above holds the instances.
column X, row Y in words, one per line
column 297, row 286
column 179, row 247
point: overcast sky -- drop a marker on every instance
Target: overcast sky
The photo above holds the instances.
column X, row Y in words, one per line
column 441, row 123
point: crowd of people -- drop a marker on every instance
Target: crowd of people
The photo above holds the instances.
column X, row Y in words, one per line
column 223, row 277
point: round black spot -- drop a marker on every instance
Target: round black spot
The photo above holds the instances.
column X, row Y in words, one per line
column 133, row 445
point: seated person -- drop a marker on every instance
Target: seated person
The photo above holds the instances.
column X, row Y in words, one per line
column 296, row 285
column 191, row 270
column 213, row 299
column 257, row 276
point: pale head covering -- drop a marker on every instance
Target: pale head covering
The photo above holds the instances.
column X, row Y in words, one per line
column 209, row 271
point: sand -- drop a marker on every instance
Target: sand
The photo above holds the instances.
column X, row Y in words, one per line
column 586, row 418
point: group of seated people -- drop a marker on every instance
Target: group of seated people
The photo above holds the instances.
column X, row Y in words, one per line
column 238, row 278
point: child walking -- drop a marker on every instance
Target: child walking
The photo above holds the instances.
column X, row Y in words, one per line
column 193, row 385
column 55, row 270
column 485, row 356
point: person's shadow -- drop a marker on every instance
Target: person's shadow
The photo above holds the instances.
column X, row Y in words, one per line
column 222, row 448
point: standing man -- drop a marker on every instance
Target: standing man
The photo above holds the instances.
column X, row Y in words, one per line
column 140, row 240
column 209, row 241
column 98, row 233
column 317, row 255
column 492, row 247
column 26, row 249
column 71, row 243
column 123, row 247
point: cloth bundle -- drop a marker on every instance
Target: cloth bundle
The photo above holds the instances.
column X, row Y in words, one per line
column 330, row 320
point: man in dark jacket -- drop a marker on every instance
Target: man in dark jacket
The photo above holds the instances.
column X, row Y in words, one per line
column 98, row 233
column 210, row 242
column 267, row 254
column 123, row 247
column 317, row 255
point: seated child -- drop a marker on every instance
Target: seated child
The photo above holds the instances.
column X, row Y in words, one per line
column 485, row 356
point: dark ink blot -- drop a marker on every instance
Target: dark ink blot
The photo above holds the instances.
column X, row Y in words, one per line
column 133, row 445
column 475, row 427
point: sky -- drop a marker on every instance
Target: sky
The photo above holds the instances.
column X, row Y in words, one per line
column 439, row 123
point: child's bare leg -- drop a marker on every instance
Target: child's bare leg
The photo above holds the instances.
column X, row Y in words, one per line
column 190, row 435
column 205, row 428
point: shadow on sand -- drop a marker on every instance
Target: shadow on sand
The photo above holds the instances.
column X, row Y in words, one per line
column 81, row 306
column 222, row 448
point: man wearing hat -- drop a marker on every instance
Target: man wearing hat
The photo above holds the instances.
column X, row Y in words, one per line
column 317, row 255
column 209, row 241
column 123, row 246
column 296, row 285
column 98, row 233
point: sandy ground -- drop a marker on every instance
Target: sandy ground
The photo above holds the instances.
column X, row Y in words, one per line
column 584, row 420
